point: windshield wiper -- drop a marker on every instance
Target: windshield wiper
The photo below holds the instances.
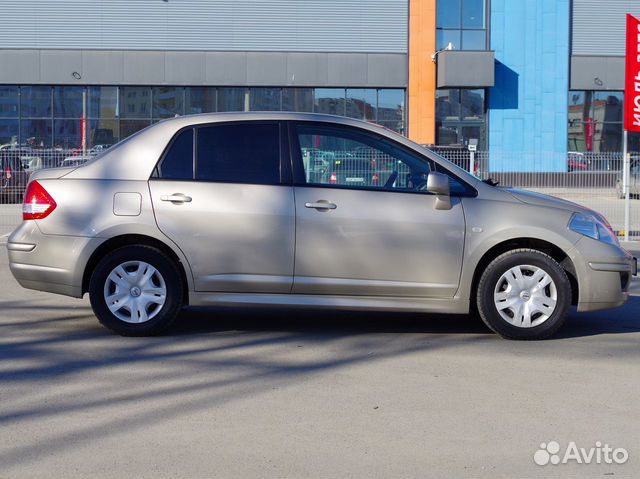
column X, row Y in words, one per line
column 491, row 182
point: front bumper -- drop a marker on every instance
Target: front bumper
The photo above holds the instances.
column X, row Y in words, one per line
column 50, row 263
column 603, row 273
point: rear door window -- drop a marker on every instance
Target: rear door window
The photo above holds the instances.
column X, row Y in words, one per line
column 239, row 153
column 177, row 163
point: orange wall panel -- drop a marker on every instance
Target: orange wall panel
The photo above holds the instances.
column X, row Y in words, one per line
column 422, row 71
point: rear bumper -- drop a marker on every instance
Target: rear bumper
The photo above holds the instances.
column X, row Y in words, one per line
column 50, row 263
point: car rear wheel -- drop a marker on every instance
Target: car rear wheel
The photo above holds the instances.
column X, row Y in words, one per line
column 524, row 294
column 136, row 291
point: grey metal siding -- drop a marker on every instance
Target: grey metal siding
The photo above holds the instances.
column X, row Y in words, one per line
column 365, row 26
column 144, row 67
column 599, row 26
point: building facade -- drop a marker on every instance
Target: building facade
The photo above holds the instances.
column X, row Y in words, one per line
column 543, row 77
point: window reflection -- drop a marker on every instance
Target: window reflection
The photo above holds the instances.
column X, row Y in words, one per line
column 330, row 101
column 460, row 116
column 102, row 132
column 8, row 132
column 297, row 99
column 200, row 100
column 67, row 101
column 35, row 101
column 167, row 102
column 8, row 101
column 103, row 101
column 36, row 133
column 50, row 116
column 135, row 102
column 67, row 134
column 595, row 121
column 265, row 99
column 233, row 99
column 461, row 23
column 361, row 103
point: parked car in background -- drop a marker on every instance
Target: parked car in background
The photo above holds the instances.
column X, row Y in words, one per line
column 577, row 161
column 15, row 167
column 74, row 161
column 634, row 179
column 218, row 209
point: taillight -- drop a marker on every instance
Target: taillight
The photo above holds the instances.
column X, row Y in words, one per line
column 37, row 203
column 376, row 179
column 8, row 173
column 333, row 179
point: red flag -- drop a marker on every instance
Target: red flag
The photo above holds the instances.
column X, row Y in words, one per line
column 632, row 76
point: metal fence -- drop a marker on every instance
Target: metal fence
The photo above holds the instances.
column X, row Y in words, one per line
column 593, row 180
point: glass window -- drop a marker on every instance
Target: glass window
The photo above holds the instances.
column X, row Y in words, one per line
column 103, row 101
column 102, row 132
column 390, row 105
column 35, row 101
column 129, row 127
column 595, row 137
column 361, row 103
column 446, row 134
column 177, row 163
column 239, row 153
column 67, row 101
column 473, row 13
column 330, row 101
column 233, row 99
column 474, row 40
column 167, row 101
column 607, row 106
column 8, row 132
column 460, row 116
column 448, row 104
column 448, row 14
column 8, row 101
column 472, row 104
column 67, row 134
column 200, row 100
column 444, row 37
column 347, row 157
column 297, row 99
column 265, row 99
column 135, row 102
column 36, row 133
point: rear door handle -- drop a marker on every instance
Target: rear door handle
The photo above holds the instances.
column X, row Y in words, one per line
column 321, row 205
column 176, row 198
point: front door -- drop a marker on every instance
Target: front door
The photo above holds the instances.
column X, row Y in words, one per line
column 218, row 193
column 366, row 225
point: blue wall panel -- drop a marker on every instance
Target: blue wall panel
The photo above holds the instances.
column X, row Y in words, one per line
column 528, row 104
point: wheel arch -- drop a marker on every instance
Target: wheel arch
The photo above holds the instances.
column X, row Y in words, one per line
column 131, row 240
column 546, row 247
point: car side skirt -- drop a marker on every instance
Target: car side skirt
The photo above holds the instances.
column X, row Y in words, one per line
column 377, row 303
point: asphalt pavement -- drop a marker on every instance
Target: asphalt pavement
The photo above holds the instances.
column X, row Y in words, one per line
column 275, row 393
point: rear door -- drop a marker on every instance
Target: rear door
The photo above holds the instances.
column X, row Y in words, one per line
column 221, row 195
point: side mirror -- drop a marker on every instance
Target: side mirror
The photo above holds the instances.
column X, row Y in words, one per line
column 438, row 184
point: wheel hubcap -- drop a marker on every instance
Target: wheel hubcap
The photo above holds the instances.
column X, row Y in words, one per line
column 525, row 296
column 135, row 292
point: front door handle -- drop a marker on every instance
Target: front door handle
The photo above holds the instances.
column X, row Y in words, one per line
column 321, row 205
column 176, row 198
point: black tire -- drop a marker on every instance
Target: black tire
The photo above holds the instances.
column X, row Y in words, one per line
column 492, row 276
column 161, row 316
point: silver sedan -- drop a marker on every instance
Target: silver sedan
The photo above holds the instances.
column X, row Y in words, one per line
column 232, row 209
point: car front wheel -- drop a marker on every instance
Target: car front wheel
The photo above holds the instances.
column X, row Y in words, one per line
column 136, row 291
column 524, row 294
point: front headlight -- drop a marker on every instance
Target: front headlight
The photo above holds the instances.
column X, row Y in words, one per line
column 593, row 227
